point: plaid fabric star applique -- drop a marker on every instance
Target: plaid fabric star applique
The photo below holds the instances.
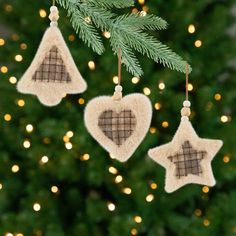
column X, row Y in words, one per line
column 188, row 160
column 52, row 69
column 185, row 163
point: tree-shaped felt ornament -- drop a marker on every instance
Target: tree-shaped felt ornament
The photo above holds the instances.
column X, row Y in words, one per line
column 53, row 73
column 187, row 158
column 119, row 123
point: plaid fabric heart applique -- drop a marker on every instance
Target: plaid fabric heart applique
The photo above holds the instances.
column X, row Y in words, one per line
column 119, row 126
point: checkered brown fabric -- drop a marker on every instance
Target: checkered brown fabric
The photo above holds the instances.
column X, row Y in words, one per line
column 52, row 69
column 188, row 160
column 117, row 126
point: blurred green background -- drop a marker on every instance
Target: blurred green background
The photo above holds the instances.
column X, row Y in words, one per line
column 55, row 180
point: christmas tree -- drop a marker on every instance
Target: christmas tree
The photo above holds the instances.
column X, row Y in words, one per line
column 55, row 180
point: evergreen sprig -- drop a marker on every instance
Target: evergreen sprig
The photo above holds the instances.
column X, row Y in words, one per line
column 127, row 32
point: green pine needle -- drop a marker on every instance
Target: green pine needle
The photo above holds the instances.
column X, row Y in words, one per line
column 136, row 20
column 112, row 3
column 127, row 32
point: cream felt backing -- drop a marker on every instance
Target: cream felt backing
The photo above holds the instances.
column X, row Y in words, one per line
column 141, row 108
column 184, row 133
column 51, row 93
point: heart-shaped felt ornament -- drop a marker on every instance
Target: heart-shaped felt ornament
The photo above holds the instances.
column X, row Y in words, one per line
column 119, row 125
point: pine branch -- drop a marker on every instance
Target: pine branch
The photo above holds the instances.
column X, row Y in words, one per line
column 127, row 32
column 149, row 46
column 112, row 4
column 136, row 20
column 86, row 30
column 101, row 18
column 127, row 56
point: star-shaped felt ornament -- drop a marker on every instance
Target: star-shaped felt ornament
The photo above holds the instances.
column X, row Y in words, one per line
column 187, row 158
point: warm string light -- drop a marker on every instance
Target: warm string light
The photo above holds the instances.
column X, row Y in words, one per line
column 15, row 168
column 149, row 197
column 88, row 19
column 71, row 38
column 113, row 170
column 146, row 91
column 8, row 8
column 29, row 128
column 15, row 37
column 145, row 10
column 36, row 207
column 4, row 69
column 165, row 124
column 152, row 130
column 2, row 42
column 134, row 231
column 18, row 58
column 42, row 13
column 141, row 2
column 118, row 179
column 191, row 29
column 91, row 65
column 8, row 234
column 81, row 101
column 198, row 43
column 153, row 186
column 127, row 190
column 107, row 34
column 1, row 186
column 68, row 145
column 157, row 106
column 111, row 206
column 115, row 79
column 26, row 144
column 23, row 46
column 217, row 96
column 46, row 140
column 85, row 157
column 13, row 80
column 54, row 189
column 66, row 139
column 190, row 87
column 161, row 86
column 198, row 212
column 138, row 219
column 21, row 103
column 7, row 117
column 206, row 222
column 205, row 189
column 44, row 160
column 225, row 119
column 226, row 159
column 135, row 80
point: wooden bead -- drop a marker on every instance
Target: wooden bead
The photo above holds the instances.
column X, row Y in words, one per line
column 186, row 103
column 54, row 17
column 185, row 111
column 118, row 88
column 117, row 96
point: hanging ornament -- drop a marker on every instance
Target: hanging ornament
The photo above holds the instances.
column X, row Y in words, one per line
column 187, row 158
column 53, row 73
column 119, row 123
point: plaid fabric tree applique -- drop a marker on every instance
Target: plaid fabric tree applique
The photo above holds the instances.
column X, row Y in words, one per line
column 53, row 72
